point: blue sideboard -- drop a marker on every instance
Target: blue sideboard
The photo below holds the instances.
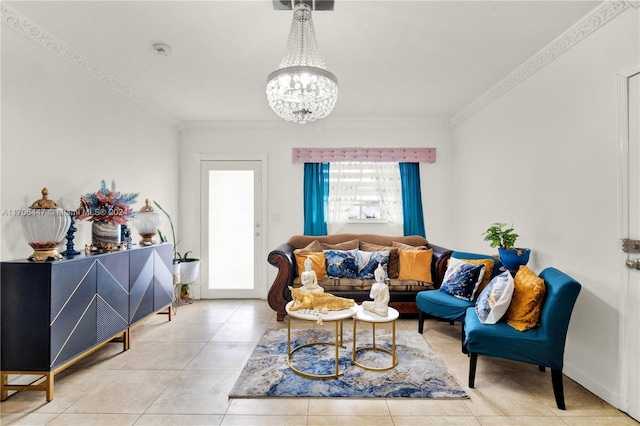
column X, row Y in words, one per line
column 54, row 313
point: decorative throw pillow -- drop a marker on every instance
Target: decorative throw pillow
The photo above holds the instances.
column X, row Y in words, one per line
column 494, row 300
column 318, row 264
column 368, row 261
column 392, row 266
column 346, row 245
column 488, row 273
column 415, row 265
column 461, row 278
column 341, row 263
column 526, row 304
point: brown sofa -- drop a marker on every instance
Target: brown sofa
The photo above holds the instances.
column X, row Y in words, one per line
column 402, row 292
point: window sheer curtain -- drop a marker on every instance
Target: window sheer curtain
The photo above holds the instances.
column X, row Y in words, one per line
column 342, row 194
column 316, row 197
column 345, row 180
column 389, row 187
column 413, row 218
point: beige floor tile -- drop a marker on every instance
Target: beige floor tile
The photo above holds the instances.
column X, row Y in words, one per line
column 360, row 420
column 599, row 420
column 124, row 392
column 427, row 407
column 519, row 420
column 434, row 420
column 195, row 392
column 177, row 332
column 348, row 407
column 240, row 332
column 266, row 420
column 31, row 419
column 65, row 419
column 269, row 406
column 496, row 394
column 179, row 420
column 159, row 355
column 221, row 356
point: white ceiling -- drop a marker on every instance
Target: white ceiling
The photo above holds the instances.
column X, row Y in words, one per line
column 393, row 59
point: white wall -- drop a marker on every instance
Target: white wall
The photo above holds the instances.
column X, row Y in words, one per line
column 285, row 179
column 545, row 158
column 63, row 129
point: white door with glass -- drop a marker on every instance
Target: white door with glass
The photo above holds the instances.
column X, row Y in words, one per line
column 231, row 194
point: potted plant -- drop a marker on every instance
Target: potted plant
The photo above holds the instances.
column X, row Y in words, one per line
column 504, row 239
column 188, row 266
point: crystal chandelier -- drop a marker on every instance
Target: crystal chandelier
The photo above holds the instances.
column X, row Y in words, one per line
column 302, row 89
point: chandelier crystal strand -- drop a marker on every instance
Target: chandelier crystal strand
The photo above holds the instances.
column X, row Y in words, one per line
column 302, row 89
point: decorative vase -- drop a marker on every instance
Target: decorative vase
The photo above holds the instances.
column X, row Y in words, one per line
column 45, row 225
column 105, row 235
column 513, row 258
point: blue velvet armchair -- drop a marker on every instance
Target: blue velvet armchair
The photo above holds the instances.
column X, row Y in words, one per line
column 542, row 345
column 438, row 304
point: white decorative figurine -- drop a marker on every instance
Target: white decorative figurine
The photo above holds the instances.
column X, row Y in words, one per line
column 379, row 293
column 309, row 279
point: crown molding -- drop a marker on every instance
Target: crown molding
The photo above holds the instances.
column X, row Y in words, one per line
column 14, row 20
column 593, row 21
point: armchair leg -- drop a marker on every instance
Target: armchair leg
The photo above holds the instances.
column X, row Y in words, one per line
column 473, row 361
column 541, row 368
column 420, row 321
column 464, row 348
column 558, row 389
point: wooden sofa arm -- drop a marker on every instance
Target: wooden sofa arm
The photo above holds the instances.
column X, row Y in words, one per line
column 282, row 258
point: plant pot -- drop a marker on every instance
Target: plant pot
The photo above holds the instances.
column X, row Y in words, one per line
column 189, row 271
column 513, row 258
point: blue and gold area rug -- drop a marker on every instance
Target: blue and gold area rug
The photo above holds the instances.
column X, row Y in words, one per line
column 420, row 373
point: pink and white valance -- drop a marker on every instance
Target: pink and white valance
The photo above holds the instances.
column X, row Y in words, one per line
column 333, row 155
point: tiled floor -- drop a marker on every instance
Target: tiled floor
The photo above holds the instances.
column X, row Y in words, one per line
column 180, row 372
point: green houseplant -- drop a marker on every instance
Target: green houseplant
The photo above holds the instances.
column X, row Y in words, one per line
column 504, row 238
column 189, row 266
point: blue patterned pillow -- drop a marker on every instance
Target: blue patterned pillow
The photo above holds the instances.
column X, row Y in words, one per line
column 368, row 262
column 341, row 263
column 495, row 299
column 461, row 279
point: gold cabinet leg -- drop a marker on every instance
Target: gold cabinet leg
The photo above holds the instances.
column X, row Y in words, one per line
column 4, row 379
column 126, row 339
column 49, row 391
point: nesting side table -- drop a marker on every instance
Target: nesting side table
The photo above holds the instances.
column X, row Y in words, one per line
column 332, row 316
column 366, row 316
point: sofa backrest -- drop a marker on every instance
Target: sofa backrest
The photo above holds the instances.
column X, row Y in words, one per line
column 301, row 241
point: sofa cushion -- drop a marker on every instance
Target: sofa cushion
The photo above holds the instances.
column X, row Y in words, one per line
column 461, row 278
column 415, row 265
column 368, row 262
column 345, row 245
column 313, row 246
column 442, row 305
column 494, row 300
column 392, row 265
column 318, row 262
column 341, row 263
column 526, row 303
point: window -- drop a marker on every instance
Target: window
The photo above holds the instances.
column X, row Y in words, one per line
column 368, row 191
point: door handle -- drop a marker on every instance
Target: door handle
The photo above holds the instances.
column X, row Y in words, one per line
column 633, row 263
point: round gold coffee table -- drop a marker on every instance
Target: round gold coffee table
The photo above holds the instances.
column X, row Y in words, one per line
column 370, row 317
column 332, row 316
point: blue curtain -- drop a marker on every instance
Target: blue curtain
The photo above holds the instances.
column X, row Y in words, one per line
column 316, row 198
column 412, row 199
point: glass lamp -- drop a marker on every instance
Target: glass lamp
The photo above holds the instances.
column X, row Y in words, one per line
column 45, row 224
column 147, row 222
